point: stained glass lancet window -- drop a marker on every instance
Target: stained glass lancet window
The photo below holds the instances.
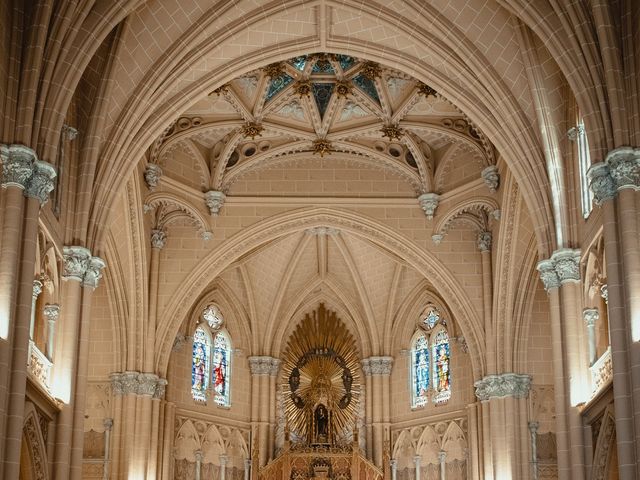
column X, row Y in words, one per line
column 420, row 370
column 220, row 368
column 441, row 370
column 200, row 364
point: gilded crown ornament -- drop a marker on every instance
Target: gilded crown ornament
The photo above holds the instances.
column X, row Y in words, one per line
column 251, row 129
column 322, row 146
column 302, row 88
column 343, row 88
column 274, row 70
column 371, row 70
column 392, row 132
column 426, row 90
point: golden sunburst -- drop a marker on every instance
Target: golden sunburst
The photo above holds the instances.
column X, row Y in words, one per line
column 321, row 367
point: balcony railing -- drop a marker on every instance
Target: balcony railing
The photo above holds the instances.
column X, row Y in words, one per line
column 38, row 365
column 601, row 372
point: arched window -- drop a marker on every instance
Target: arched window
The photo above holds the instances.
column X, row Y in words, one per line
column 430, row 360
column 211, row 359
column 200, row 364
column 420, row 370
column 220, row 368
column 441, row 371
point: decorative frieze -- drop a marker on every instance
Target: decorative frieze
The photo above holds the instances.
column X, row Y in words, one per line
column 429, row 202
column 136, row 383
column 152, row 174
column 81, row 266
column 491, row 178
column 158, row 238
column 322, row 231
column 366, row 367
column 504, row 385
column 38, row 365
column 380, row 365
column 619, row 171
column 601, row 371
column 263, row 365
column 484, row 241
column 214, row 200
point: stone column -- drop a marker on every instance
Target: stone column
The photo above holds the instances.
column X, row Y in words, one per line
column 474, row 443
column 368, row 387
column 37, row 290
column 261, row 368
column 108, row 425
column 551, row 284
column 499, row 392
column 273, row 377
column 533, row 430
column 380, row 371
column 247, row 468
column 416, row 462
column 51, row 313
column 223, row 466
column 442, row 458
column 615, row 183
column 167, row 443
column 566, row 264
column 394, row 468
column 484, row 245
column 591, row 316
column 198, row 455
column 35, row 194
column 90, row 281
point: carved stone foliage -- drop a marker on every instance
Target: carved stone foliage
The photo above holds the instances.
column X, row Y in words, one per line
column 505, row 385
column 36, row 446
column 136, row 383
column 563, row 266
column 263, row 365
column 604, row 446
column 81, row 266
column 21, row 168
column 619, row 171
column 214, row 200
column 601, row 371
column 429, row 202
column 491, row 178
column 377, row 365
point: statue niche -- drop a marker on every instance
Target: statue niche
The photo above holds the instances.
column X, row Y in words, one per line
column 321, row 424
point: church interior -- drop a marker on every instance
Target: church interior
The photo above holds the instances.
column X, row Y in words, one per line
column 320, row 240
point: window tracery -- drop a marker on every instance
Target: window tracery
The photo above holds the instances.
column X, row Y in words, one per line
column 430, row 360
column 211, row 359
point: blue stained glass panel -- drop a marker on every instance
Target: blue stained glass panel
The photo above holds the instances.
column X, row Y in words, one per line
column 220, row 373
column 367, row 86
column 299, row 62
column 200, row 365
column 420, row 371
column 323, row 66
column 346, row 62
column 322, row 93
column 277, row 85
column 431, row 318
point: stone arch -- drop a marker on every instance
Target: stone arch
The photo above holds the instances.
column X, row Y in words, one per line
column 428, row 447
column 187, row 442
column 212, row 446
column 526, row 160
column 454, row 443
column 466, row 207
column 277, row 226
column 156, row 199
column 36, row 449
column 404, row 450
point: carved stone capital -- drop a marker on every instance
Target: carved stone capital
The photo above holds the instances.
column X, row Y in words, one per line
column 566, row 262
column 504, row 385
column 70, row 133
column 275, row 367
column 51, row 312
column 366, row 367
column 158, row 238
column 548, row 274
column 619, row 171
column 263, row 365
column 108, row 423
column 198, row 455
column 533, row 427
column 484, row 241
column 604, row 293
column 214, row 200
column 37, row 288
column 136, row 383
column 41, row 182
column 152, row 174
column 429, row 202
column 223, row 459
column 17, row 165
column 94, row 273
column 76, row 261
column 590, row 316
column 562, row 267
column 380, row 365
column 491, row 178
